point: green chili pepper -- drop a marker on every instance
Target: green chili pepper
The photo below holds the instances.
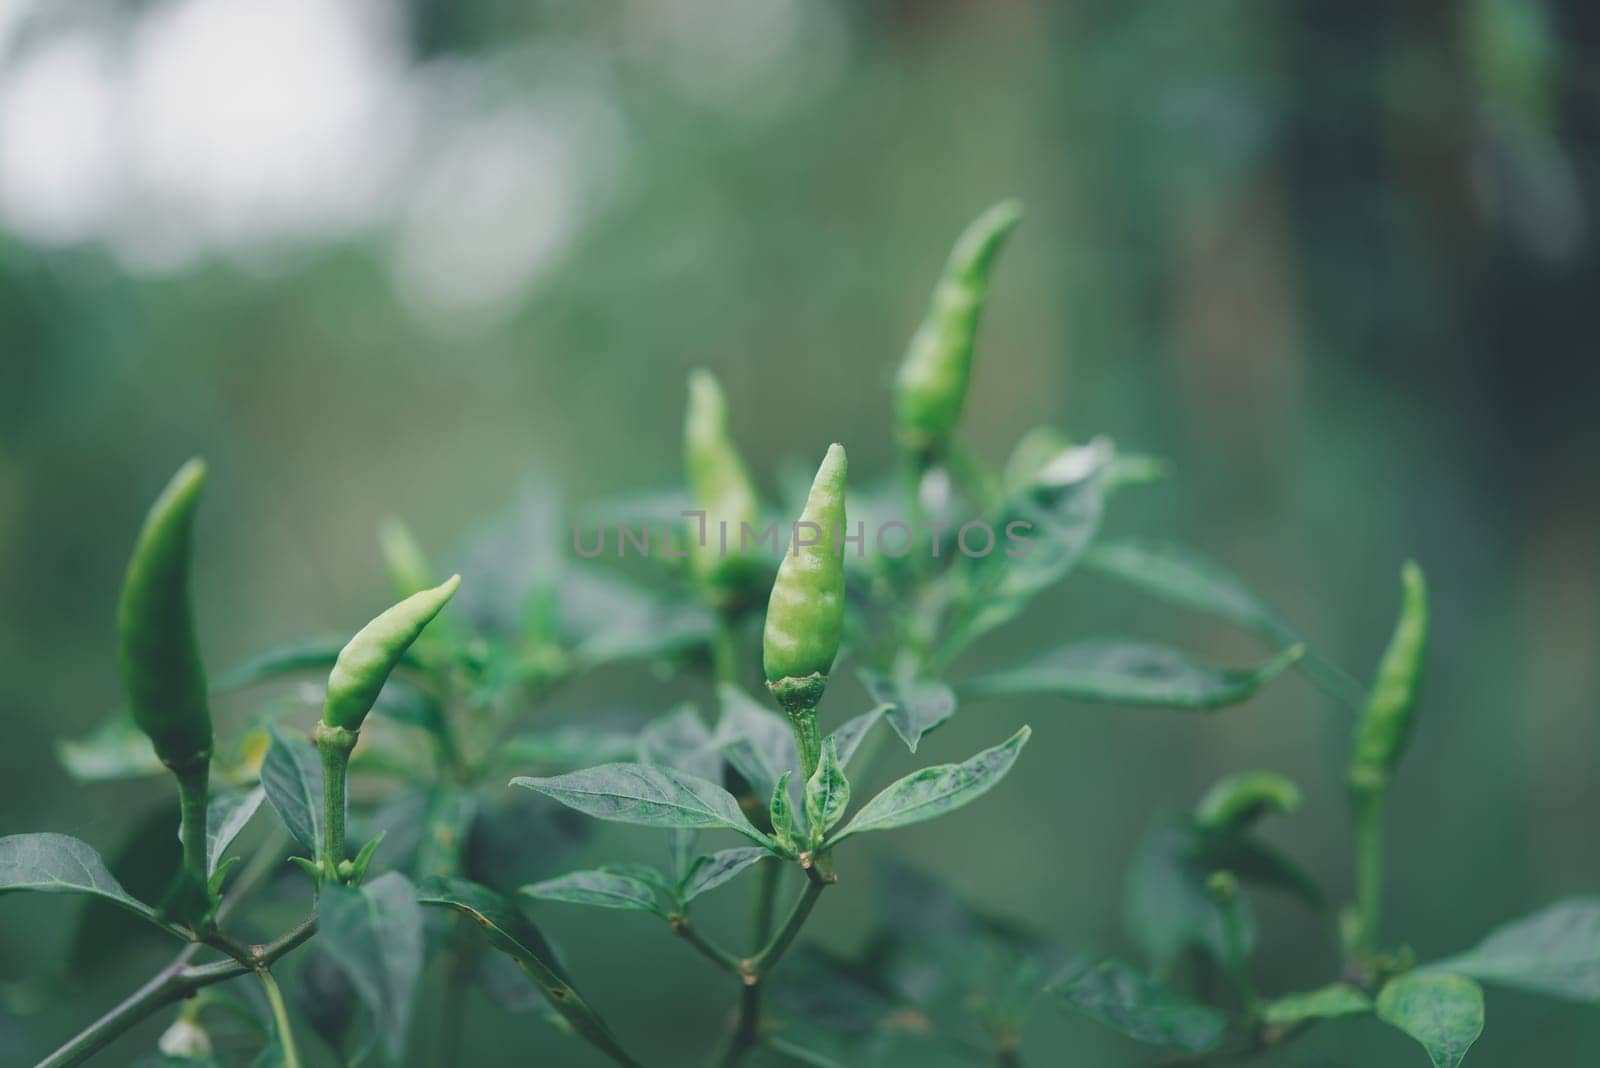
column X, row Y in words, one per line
column 159, row 654
column 1385, row 723
column 364, row 664
column 932, row 384
column 806, row 611
column 805, row 614
column 721, row 488
column 1240, row 800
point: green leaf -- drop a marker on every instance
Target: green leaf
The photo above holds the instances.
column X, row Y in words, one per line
column 513, row 934
column 708, row 873
column 374, row 934
column 1128, row 673
column 291, row 775
column 853, row 732
column 1326, row 1003
column 1555, row 951
column 226, row 815
column 679, row 740
column 1185, row 577
column 1060, row 510
column 646, row 795
column 602, row 889
column 914, row 707
column 61, row 864
column 572, row 746
column 932, row 792
column 1443, row 1012
column 827, row 792
column 781, row 811
column 1144, row 1009
column 116, row 749
column 756, row 740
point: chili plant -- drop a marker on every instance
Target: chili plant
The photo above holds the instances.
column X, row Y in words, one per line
column 411, row 858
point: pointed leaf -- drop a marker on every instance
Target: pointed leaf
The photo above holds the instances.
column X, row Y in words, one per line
column 646, row 795
column 914, row 707
column 1144, row 1009
column 1129, row 673
column 226, row 816
column 513, row 934
column 1186, row 577
column 711, row 872
column 1443, row 1012
column 291, row 775
column 781, row 811
column 932, row 792
column 756, row 740
column 1060, row 511
column 374, row 934
column 827, row 792
column 679, row 740
column 1555, row 951
column 602, row 889
column 61, row 864
column 1327, row 1003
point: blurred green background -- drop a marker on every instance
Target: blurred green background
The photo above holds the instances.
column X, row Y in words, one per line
column 1335, row 260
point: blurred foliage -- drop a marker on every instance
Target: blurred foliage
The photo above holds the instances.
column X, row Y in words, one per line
column 1333, row 259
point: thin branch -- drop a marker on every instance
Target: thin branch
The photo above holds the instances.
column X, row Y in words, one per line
column 172, row 984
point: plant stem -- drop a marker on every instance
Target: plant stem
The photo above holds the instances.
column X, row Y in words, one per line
column 172, row 984
column 807, row 739
column 192, row 800
column 335, row 745
column 1368, row 808
column 710, row 950
column 754, row 970
column 762, row 962
column 769, row 874
column 280, row 1017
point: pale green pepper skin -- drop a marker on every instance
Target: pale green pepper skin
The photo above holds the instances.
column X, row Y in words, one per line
column 720, row 485
column 157, row 648
column 931, row 388
column 363, row 665
column 805, row 615
column 1385, row 724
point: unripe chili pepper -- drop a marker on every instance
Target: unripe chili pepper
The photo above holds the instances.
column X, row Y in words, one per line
column 159, row 655
column 1385, row 723
column 364, row 664
column 358, row 675
column 721, row 488
column 1238, row 801
column 932, row 383
column 805, row 614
